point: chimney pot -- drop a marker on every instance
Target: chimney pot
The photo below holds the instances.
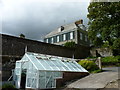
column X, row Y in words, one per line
column 79, row 22
column 62, row 28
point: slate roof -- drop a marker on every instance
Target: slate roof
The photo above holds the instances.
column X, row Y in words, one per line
column 66, row 28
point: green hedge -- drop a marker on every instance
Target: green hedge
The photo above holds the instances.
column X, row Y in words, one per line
column 111, row 60
column 88, row 65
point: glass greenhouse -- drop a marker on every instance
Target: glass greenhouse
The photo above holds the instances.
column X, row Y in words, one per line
column 42, row 70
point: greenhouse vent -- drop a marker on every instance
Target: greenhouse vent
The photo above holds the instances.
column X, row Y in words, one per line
column 40, row 71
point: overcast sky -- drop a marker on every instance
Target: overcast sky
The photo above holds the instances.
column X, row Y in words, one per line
column 36, row 18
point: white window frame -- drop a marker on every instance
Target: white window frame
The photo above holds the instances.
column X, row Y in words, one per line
column 81, row 36
column 64, row 37
column 71, row 35
column 58, row 38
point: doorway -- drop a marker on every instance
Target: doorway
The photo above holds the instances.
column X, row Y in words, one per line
column 23, row 79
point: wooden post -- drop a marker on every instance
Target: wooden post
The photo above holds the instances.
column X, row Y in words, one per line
column 99, row 63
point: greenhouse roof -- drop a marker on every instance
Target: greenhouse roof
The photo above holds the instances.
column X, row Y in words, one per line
column 53, row 63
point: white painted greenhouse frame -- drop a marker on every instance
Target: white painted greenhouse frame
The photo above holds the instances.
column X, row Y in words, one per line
column 43, row 70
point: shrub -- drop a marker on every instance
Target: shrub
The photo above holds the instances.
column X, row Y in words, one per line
column 88, row 65
column 8, row 86
column 70, row 44
column 111, row 60
column 97, row 71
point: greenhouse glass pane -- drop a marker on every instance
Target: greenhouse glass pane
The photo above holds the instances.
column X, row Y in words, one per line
column 33, row 83
column 54, row 83
column 49, row 84
column 30, row 66
column 79, row 66
column 25, row 65
column 18, row 64
column 66, row 66
column 58, row 74
column 42, row 81
column 24, row 58
column 75, row 66
column 52, row 64
column 49, row 79
column 60, row 65
column 18, row 71
column 45, row 64
column 36, row 62
column 28, row 82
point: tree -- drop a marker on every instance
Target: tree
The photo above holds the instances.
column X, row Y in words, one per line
column 22, row 35
column 104, row 23
column 70, row 44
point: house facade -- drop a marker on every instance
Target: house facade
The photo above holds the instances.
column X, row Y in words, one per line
column 75, row 32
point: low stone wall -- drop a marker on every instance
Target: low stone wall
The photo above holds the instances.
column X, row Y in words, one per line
column 103, row 52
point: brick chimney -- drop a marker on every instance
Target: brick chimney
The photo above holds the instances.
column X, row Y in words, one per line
column 62, row 28
column 79, row 22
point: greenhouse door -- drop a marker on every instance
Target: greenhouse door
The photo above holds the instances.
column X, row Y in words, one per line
column 18, row 70
column 23, row 81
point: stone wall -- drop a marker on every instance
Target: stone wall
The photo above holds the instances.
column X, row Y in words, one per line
column 103, row 52
column 15, row 46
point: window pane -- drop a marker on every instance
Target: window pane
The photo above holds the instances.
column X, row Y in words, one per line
column 71, row 35
column 81, row 36
column 64, row 37
column 51, row 40
column 57, row 38
column 46, row 40
column 86, row 38
column 68, row 36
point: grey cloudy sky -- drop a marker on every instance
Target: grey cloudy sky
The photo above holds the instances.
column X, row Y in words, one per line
column 36, row 18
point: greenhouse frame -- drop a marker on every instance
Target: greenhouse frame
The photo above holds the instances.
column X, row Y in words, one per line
column 42, row 70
